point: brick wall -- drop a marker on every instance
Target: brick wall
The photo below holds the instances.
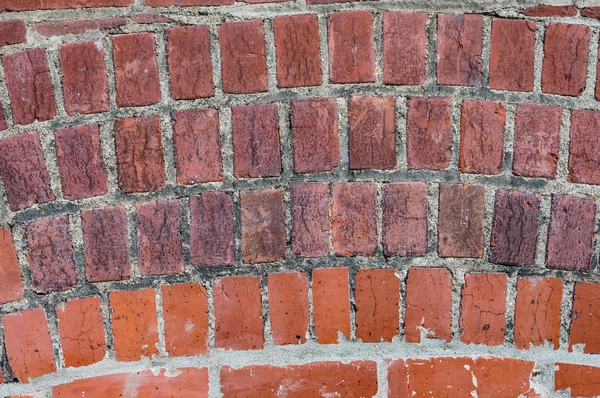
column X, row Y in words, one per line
column 218, row 199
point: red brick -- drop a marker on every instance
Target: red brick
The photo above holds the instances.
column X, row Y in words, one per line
column 238, row 313
column 310, row 219
column 188, row 52
column 571, row 233
column 585, row 322
column 151, row 18
column 32, row 5
column 459, row 48
column 377, row 300
column 460, row 225
column 80, row 162
column 81, row 331
column 351, row 53
column 591, row 12
column 331, row 304
column 77, row 27
column 11, row 285
column 12, row 32
column 29, row 86
column 543, row 10
column 515, row 228
column 185, row 310
column 537, row 312
column 159, row 238
column 139, row 154
column 243, row 57
column 3, row 125
column 354, row 221
column 263, row 226
column 372, row 132
column 288, row 307
column 581, row 379
column 317, row 379
column 136, row 70
column 212, row 231
column 483, row 307
column 28, row 344
column 428, row 134
column 134, row 324
column 316, row 140
column 482, row 137
column 106, row 244
column 404, row 48
column 297, row 50
column 584, row 147
column 511, row 58
column 197, row 146
column 428, row 304
column 405, row 219
column 50, row 254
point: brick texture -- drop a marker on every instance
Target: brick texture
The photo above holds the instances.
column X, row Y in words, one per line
column 581, row 379
column 404, row 48
column 310, row 219
column 584, row 147
column 331, row 304
column 459, row 48
column 377, row 298
column 288, row 306
column 584, row 328
column 354, row 222
column 543, row 10
column 12, row 32
column 11, row 286
column 30, row 5
column 77, row 27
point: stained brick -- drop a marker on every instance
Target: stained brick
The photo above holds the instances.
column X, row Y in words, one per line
column 77, row 27
column 288, row 307
column 584, row 147
column 585, row 322
column 581, row 379
column 32, row 5
column 11, row 286
column 459, row 48
column 354, row 222
column 404, row 48
column 12, row 32
column 310, row 219
column 543, row 10
column 185, row 3
column 331, row 304
column 591, row 12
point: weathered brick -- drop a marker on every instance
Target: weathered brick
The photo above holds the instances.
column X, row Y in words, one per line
column 428, row 134
column 543, row 10
column 188, row 52
column 459, row 49
column 581, row 379
column 310, row 219
column 185, row 3
column 32, row 5
column 515, row 228
column 316, row 139
column 512, row 58
column 585, row 318
column 584, row 147
column 591, row 12
column 288, row 307
column 197, row 146
column 297, row 50
column 483, row 307
column 136, row 70
column 11, row 285
column 460, row 225
column 256, row 141
column 405, row 219
column 134, row 324
column 77, row 27
column 263, row 226
column 12, row 32
column 50, row 254
column 331, row 304
column 372, row 127
column 571, row 233
column 354, row 221
column 243, row 56
column 3, row 124
column 404, row 48
column 238, row 313
column 80, row 162
column 351, row 53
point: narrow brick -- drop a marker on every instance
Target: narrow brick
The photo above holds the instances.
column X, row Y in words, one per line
column 585, row 318
column 77, row 27
column 288, row 307
column 32, row 5
column 187, row 3
column 584, row 147
column 3, row 123
column 331, row 304
column 404, row 48
column 459, row 49
column 310, row 219
column 598, row 71
column 12, row 32
column 581, row 379
column 11, row 285
column 354, row 221
column 543, row 10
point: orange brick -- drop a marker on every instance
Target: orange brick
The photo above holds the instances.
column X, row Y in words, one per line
column 288, row 306
column 581, row 379
column 585, row 323
column 377, row 296
column 11, row 286
column 331, row 302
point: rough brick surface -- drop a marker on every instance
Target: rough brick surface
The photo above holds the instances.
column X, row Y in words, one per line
column 377, row 298
column 459, row 47
column 585, row 321
column 27, row 5
column 310, row 219
column 331, row 304
column 12, row 32
column 77, row 27
column 11, row 286
column 581, row 379
column 3, row 124
column 542, row 10
column 591, row 12
column 354, row 222
column 404, row 48
column 288, row 307
column 584, row 147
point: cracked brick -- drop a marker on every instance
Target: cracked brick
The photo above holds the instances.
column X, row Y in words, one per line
column 459, row 50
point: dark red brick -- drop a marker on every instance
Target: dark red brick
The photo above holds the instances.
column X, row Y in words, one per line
column 331, row 302
column 12, row 32
column 310, row 219
column 459, row 48
column 543, row 10
column 404, row 48
column 377, row 300
column 77, row 27
column 3, row 124
column 591, row 12
column 185, row 3
column 354, row 221
column 585, row 318
column 151, row 18
column 11, row 285
column 584, row 147
column 581, row 379
column 32, row 5
column 288, row 307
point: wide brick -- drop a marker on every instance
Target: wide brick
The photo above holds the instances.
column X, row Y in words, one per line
column 591, row 12
column 12, row 32
column 84, row 81
column 316, row 139
column 238, row 313
column 297, row 50
column 543, row 10
column 80, row 162
column 212, row 230
column 28, row 344
column 351, row 53
column 11, row 285
column 50, row 254
column 428, row 304
column 461, row 214
column 134, row 324
column 136, row 70
column 139, row 154
column 188, row 52
column 185, row 3
column 263, row 226
column 585, row 318
column 77, row 27
column 581, row 379
column 372, row 127
column 317, row 379
column 428, row 134
column 459, row 49
column 404, row 48
column 288, row 307
column 197, row 146
column 105, row 241
column 29, row 86
column 354, row 221
column 243, row 56
column 159, row 238
column 515, row 228
column 185, row 312
column 512, row 54
column 584, row 147
column 331, row 304
column 482, row 137
column 81, row 331
column 571, row 233
column 310, row 219
column 256, row 141
column 32, row 5
column 483, row 307
column 537, row 312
